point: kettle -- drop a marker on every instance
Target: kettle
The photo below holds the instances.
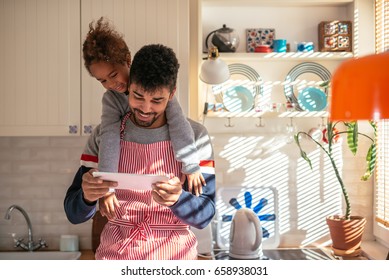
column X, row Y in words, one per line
column 225, row 39
column 245, row 235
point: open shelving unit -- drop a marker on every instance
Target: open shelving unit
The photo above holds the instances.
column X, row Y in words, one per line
column 304, row 19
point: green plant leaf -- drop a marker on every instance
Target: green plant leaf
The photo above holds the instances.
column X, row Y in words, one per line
column 304, row 156
column 371, row 162
column 352, row 136
column 302, row 152
column 371, row 157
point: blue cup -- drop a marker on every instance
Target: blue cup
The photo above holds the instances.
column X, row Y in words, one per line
column 305, row 47
column 279, row 45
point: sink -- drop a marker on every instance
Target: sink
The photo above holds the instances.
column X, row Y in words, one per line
column 39, row 255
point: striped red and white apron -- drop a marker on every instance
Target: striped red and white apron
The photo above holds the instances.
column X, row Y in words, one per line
column 143, row 229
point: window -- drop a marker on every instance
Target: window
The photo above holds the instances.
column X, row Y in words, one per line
column 382, row 188
column 382, row 171
column 382, row 25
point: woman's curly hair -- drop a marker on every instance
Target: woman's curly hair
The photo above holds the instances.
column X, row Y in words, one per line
column 103, row 43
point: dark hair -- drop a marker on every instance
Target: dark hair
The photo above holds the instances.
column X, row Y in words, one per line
column 153, row 67
column 103, row 43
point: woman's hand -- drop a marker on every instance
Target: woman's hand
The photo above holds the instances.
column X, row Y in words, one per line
column 196, row 182
column 107, row 205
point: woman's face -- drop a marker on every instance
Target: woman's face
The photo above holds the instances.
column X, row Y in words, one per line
column 111, row 76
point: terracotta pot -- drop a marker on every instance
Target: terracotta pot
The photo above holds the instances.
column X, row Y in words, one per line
column 346, row 235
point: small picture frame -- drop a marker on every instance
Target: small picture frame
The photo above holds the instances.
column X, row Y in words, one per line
column 335, row 36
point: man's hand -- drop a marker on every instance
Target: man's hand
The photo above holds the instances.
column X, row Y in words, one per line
column 167, row 193
column 94, row 188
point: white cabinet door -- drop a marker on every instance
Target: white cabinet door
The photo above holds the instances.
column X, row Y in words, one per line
column 42, row 73
column 40, row 67
column 141, row 22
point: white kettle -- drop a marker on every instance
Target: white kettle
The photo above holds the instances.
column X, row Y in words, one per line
column 245, row 235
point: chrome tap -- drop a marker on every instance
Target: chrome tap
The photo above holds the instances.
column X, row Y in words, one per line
column 30, row 245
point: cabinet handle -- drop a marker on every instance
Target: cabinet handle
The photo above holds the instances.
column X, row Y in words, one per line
column 88, row 129
column 73, row 129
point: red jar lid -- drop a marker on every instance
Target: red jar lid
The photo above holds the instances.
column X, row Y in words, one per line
column 263, row 49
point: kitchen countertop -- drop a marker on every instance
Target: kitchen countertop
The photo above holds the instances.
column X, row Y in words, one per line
column 223, row 255
column 304, row 253
column 87, row 255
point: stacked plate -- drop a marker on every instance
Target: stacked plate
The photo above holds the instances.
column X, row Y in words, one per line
column 238, row 94
column 309, row 98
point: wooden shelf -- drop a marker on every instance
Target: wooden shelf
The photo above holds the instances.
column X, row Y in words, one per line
column 253, row 114
column 278, row 2
column 287, row 56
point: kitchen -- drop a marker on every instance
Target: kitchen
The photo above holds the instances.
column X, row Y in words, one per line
column 37, row 167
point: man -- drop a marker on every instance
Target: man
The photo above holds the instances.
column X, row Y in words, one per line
column 155, row 223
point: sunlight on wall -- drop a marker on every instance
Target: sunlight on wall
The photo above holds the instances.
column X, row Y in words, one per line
column 304, row 196
column 259, row 162
column 318, row 195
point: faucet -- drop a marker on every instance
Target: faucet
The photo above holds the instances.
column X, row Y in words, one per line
column 30, row 245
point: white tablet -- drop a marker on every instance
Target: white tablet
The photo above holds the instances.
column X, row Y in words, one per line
column 131, row 181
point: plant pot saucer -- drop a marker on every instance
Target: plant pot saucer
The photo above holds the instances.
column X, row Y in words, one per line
column 347, row 253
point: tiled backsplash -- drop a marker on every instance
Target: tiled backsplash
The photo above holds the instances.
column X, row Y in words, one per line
column 35, row 173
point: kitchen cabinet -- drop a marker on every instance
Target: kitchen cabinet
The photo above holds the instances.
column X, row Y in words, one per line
column 46, row 90
column 40, row 69
column 300, row 24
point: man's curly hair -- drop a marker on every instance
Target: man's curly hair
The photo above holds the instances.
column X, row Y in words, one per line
column 103, row 43
column 154, row 66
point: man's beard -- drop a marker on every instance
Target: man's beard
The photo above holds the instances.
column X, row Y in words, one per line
column 141, row 123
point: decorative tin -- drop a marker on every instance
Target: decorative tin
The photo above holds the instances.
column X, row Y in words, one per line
column 335, row 36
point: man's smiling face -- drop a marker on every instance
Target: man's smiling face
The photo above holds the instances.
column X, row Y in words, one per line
column 148, row 108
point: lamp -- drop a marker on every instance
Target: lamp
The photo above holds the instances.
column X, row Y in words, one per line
column 214, row 70
column 360, row 89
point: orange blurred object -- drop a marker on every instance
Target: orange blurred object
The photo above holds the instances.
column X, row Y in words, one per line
column 360, row 89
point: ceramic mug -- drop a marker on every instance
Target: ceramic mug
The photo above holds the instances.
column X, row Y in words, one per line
column 68, row 243
column 279, row 45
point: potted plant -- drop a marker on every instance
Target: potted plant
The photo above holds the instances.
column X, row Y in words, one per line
column 345, row 230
